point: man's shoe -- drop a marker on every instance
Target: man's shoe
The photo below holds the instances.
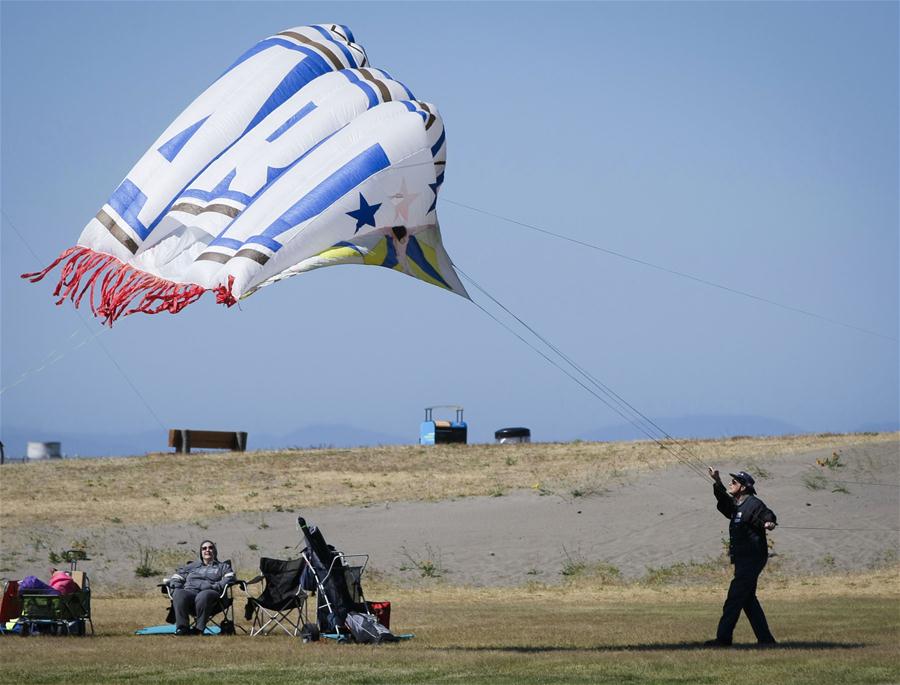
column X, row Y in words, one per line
column 717, row 643
column 181, row 631
column 767, row 643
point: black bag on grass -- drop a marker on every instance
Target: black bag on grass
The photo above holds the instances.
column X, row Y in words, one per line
column 366, row 630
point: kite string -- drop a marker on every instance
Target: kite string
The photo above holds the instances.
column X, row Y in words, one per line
column 603, row 393
column 90, row 330
column 668, row 270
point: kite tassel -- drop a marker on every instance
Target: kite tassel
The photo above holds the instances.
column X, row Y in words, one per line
column 224, row 295
column 111, row 296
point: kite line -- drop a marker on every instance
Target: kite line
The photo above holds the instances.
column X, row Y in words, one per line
column 594, row 386
column 674, row 272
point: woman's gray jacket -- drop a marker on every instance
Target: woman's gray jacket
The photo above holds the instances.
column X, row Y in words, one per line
column 196, row 577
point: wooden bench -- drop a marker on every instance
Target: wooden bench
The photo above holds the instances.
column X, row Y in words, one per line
column 183, row 439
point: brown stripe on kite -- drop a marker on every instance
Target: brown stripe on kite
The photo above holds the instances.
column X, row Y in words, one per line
column 333, row 58
column 227, row 210
column 117, row 231
column 255, row 255
column 382, row 87
column 213, row 257
column 187, row 208
column 431, row 117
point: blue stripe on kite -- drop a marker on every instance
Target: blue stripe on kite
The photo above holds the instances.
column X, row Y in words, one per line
column 304, row 72
column 259, row 47
column 327, row 35
column 414, row 109
column 222, row 190
column 440, row 178
column 364, row 87
column 347, row 32
column 344, row 243
column 414, row 252
column 265, row 240
column 243, row 198
column 128, row 200
column 437, row 145
column 230, row 243
column 170, row 149
column 342, row 181
column 390, row 258
column 306, row 109
column 408, row 91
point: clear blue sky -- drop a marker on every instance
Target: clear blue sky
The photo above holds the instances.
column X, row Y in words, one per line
column 754, row 145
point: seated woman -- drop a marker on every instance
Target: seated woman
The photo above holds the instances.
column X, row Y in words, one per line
column 199, row 585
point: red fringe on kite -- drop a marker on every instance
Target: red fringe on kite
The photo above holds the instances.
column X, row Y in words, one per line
column 120, row 286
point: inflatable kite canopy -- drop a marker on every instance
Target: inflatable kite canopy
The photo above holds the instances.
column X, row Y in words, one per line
column 299, row 156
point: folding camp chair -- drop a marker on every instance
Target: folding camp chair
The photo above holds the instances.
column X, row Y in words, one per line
column 225, row 607
column 68, row 614
column 282, row 601
column 337, row 580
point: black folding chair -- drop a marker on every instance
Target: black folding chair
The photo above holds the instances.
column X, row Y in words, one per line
column 282, row 601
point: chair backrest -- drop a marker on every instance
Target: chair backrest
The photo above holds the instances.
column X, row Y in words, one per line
column 282, row 577
column 353, row 576
column 80, row 578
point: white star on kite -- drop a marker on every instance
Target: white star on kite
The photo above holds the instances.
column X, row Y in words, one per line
column 402, row 199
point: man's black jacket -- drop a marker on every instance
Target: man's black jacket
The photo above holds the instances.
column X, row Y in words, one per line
column 746, row 532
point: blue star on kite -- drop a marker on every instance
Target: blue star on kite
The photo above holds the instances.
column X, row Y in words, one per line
column 434, row 187
column 365, row 215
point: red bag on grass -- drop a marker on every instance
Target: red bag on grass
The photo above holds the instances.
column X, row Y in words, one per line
column 382, row 611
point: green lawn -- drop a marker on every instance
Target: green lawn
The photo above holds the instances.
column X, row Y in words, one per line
column 498, row 637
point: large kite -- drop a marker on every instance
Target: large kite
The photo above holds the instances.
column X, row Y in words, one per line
column 299, row 156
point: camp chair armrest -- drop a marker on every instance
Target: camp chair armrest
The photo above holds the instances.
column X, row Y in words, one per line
column 254, row 581
column 227, row 588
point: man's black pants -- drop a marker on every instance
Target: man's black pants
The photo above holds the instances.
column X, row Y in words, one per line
column 742, row 596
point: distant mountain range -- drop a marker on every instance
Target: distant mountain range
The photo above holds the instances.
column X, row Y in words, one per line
column 721, row 426
column 698, row 426
column 341, row 435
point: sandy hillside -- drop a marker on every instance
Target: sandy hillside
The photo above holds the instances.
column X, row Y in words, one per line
column 837, row 515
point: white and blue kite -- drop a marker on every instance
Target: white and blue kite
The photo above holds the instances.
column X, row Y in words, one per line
column 298, row 156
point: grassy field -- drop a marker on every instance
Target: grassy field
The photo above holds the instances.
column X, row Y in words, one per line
column 145, row 489
column 592, row 627
column 834, row 630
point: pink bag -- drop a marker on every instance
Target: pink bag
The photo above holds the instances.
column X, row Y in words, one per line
column 62, row 582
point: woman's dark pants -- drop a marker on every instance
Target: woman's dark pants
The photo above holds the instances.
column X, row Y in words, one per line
column 200, row 604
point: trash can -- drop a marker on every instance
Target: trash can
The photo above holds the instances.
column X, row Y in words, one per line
column 511, row 435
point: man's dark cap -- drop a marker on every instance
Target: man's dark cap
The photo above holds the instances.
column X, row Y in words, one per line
column 743, row 478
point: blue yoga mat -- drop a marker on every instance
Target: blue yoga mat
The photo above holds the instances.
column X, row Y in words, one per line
column 169, row 629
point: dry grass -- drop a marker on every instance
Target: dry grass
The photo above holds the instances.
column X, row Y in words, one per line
column 151, row 488
column 843, row 630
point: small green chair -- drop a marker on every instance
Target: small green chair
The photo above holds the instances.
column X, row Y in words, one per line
column 68, row 614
